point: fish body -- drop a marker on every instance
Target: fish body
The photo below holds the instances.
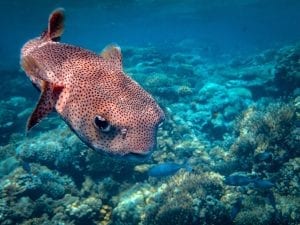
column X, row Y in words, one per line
column 105, row 108
column 166, row 169
column 238, row 180
column 243, row 180
column 264, row 157
column 263, row 184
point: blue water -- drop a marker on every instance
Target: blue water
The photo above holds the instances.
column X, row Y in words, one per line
column 233, row 26
column 226, row 74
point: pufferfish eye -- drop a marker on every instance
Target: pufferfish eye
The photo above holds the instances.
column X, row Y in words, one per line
column 102, row 124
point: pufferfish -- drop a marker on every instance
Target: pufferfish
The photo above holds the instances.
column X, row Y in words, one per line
column 105, row 108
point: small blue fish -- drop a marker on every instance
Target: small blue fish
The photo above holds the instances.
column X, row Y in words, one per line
column 264, row 157
column 237, row 180
column 243, row 180
column 263, row 184
column 167, row 169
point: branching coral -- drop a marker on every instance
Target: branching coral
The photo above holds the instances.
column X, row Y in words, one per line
column 190, row 199
column 173, row 212
column 257, row 209
column 288, row 178
column 287, row 71
column 265, row 129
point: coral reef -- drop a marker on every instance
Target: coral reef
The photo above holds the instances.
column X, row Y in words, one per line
column 255, row 211
column 287, row 70
column 235, row 116
column 266, row 130
column 64, row 152
column 186, row 200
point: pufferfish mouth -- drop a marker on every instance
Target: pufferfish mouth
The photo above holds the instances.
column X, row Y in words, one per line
column 137, row 157
column 133, row 157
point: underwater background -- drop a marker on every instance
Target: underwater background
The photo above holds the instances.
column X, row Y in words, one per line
column 227, row 75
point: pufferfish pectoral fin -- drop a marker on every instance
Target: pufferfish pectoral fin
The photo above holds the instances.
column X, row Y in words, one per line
column 112, row 53
column 46, row 103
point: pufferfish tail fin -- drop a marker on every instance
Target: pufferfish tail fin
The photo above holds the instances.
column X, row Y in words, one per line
column 55, row 25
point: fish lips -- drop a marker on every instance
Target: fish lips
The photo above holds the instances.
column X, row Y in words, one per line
column 130, row 156
column 135, row 157
column 140, row 156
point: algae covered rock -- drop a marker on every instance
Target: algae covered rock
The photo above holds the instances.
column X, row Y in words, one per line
column 58, row 149
column 266, row 129
column 8, row 165
column 287, row 70
column 190, row 199
column 134, row 203
column 84, row 210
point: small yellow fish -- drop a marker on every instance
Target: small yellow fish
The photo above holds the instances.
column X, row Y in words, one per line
column 106, row 109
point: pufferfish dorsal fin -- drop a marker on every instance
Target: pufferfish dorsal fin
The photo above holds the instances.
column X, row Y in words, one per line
column 55, row 25
column 112, row 53
column 48, row 98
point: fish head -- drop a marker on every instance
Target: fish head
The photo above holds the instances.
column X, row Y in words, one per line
column 123, row 122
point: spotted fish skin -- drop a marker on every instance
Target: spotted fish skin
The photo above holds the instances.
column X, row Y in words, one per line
column 105, row 108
